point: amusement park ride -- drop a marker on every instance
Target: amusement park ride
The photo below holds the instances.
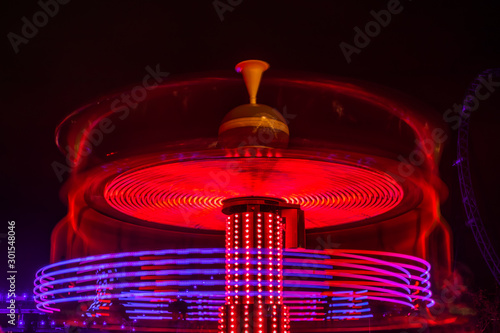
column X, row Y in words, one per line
column 321, row 218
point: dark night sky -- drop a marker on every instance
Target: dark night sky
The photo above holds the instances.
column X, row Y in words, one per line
column 431, row 50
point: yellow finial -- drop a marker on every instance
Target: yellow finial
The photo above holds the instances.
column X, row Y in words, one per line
column 252, row 72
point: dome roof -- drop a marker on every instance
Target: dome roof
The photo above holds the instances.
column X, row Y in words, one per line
column 253, row 125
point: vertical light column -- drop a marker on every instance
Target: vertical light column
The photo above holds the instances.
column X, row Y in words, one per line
column 259, row 322
column 254, row 276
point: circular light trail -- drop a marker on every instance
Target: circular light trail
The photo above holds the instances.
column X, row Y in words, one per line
column 332, row 193
column 318, row 285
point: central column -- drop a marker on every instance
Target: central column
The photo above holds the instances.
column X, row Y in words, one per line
column 254, row 267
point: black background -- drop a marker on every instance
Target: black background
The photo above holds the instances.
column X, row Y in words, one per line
column 431, row 51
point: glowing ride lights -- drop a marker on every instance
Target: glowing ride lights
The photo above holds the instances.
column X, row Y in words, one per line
column 312, row 281
column 263, row 278
column 332, row 192
column 254, row 299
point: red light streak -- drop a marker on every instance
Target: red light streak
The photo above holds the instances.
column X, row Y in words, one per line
column 333, row 193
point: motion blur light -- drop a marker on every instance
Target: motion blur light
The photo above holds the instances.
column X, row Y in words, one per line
column 262, row 190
